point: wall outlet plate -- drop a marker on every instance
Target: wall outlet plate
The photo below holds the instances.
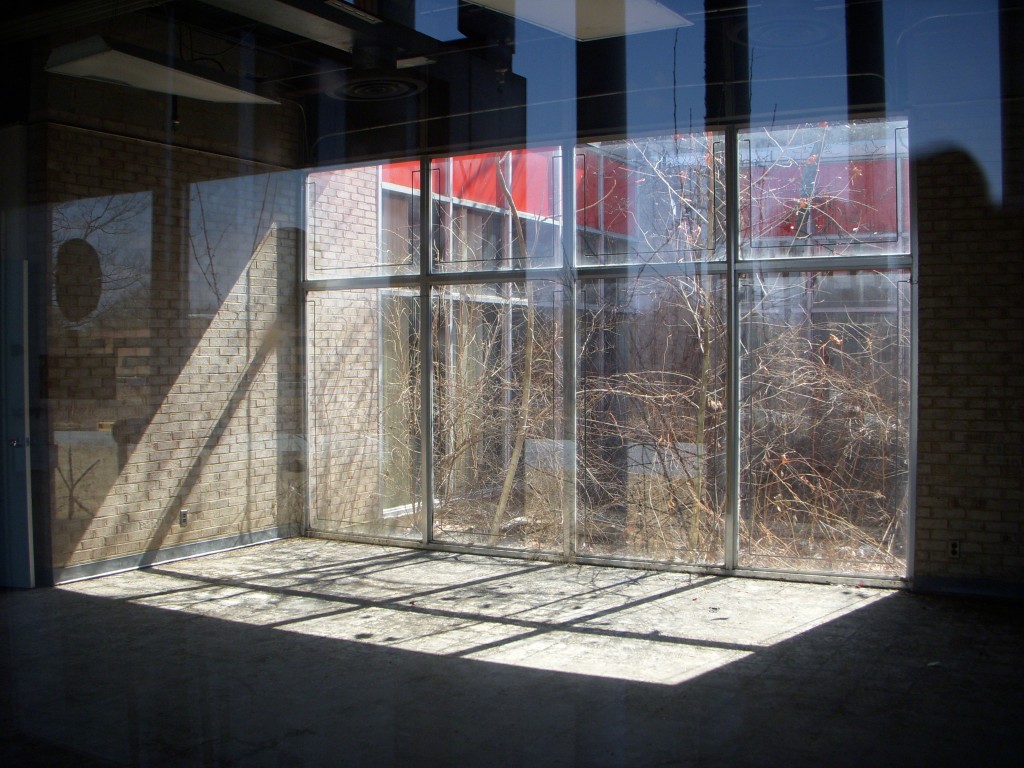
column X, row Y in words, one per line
column 183, row 517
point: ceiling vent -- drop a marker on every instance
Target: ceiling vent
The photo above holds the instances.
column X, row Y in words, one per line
column 375, row 76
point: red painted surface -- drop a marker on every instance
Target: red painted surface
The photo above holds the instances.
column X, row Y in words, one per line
column 850, row 199
column 607, row 191
column 405, row 174
column 474, row 179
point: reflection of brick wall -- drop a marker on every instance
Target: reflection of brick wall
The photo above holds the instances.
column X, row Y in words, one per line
column 970, row 484
column 344, row 365
column 344, row 441
column 206, row 420
column 343, row 221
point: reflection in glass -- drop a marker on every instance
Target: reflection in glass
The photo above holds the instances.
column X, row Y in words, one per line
column 824, row 190
column 363, row 221
column 98, row 347
column 824, row 422
column 364, row 390
column 118, row 228
column 650, row 200
column 651, row 418
column 498, row 459
column 497, row 210
column 230, row 220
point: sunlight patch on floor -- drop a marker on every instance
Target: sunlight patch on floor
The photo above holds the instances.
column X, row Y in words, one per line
column 642, row 626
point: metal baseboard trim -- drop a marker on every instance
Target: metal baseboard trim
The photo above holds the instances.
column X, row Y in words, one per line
column 169, row 554
column 810, row 577
column 964, row 587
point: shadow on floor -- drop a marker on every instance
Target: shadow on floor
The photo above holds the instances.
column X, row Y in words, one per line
column 89, row 681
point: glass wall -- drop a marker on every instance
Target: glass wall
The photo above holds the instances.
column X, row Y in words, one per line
column 650, row 433
column 581, row 405
column 497, row 414
column 818, row 190
column 363, row 351
column 824, row 420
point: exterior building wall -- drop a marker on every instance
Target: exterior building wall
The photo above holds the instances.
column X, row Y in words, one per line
column 970, row 465
column 344, row 222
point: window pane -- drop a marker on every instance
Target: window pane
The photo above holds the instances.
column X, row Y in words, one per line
column 651, row 418
column 498, row 415
column 825, row 190
column 824, row 421
column 654, row 200
column 363, row 221
column 364, row 385
column 497, row 210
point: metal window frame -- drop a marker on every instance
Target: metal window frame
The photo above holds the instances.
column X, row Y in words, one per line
column 569, row 272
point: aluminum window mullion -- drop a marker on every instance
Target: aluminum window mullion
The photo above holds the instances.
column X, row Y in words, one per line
column 567, row 190
column 365, row 281
column 426, row 256
column 732, row 252
column 633, row 271
column 307, row 349
column 824, row 264
column 600, row 271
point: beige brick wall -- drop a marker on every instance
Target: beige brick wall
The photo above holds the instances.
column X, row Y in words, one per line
column 155, row 406
column 348, row 456
column 343, row 222
column 970, row 482
column 344, row 409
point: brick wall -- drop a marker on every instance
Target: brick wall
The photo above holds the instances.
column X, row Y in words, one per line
column 970, row 483
column 182, row 388
column 345, row 450
column 343, row 223
column 354, row 335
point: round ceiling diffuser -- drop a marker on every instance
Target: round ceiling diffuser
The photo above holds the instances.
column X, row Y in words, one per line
column 377, row 85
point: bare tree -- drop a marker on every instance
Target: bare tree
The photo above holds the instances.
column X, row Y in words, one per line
column 822, row 365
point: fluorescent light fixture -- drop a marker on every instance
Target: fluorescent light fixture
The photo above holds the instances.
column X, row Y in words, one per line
column 347, row 7
column 413, row 61
column 95, row 59
column 591, row 19
column 290, row 19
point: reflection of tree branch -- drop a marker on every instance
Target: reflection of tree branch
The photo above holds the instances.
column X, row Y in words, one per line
column 209, row 271
column 73, row 483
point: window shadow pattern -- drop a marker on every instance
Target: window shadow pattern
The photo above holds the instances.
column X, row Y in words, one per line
column 201, row 671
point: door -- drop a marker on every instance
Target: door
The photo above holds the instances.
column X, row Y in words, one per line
column 16, row 555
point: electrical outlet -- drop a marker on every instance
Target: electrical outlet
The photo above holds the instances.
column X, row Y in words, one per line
column 183, row 517
column 954, row 549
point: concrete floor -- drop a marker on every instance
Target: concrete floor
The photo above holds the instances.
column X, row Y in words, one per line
column 318, row 653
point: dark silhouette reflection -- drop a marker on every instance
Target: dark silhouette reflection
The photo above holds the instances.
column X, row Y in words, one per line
column 970, row 348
